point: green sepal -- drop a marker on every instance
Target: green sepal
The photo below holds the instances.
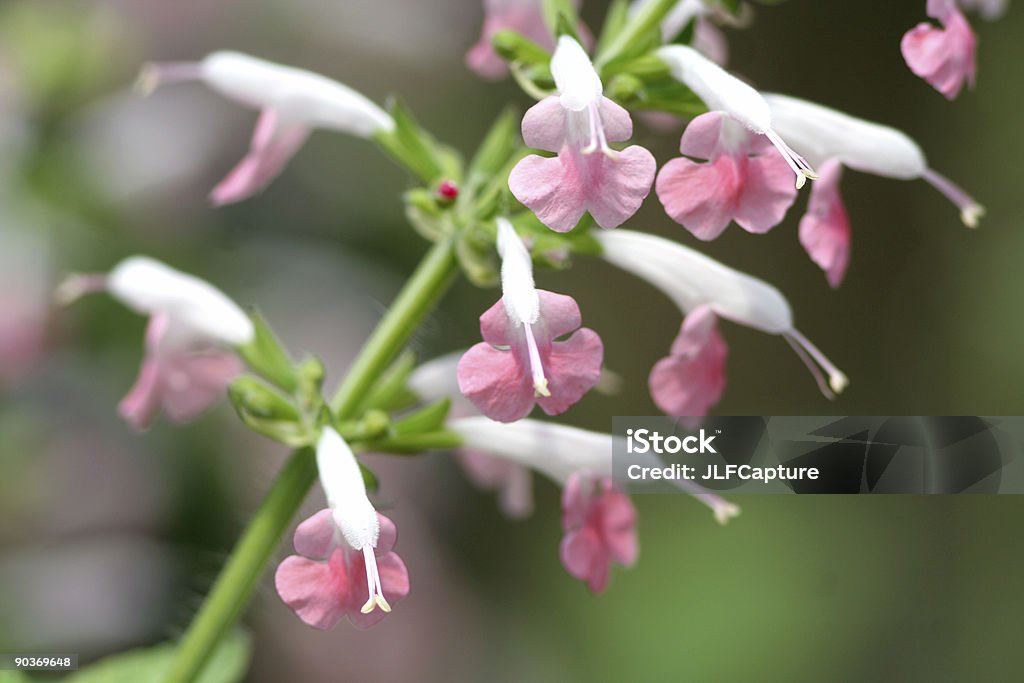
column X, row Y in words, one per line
column 267, row 412
column 443, row 439
column 614, row 21
column 513, row 46
column 561, row 18
column 266, row 356
column 391, row 393
column 426, row 215
column 475, row 252
column 426, row 419
column 416, row 149
column 498, row 146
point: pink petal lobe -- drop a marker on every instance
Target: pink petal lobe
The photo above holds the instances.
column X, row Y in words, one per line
column 825, row 229
column 273, row 145
column 544, row 125
column 388, row 535
column 692, row 379
column 584, row 559
column 768, row 192
column 493, row 381
column 550, row 187
column 140, row 405
column 513, row 482
column 316, row 591
column 700, row 196
column 944, row 57
column 619, row 185
column 701, row 138
column 314, row 537
column 192, row 383
column 394, row 581
column 618, row 126
column 559, row 314
column 619, row 527
column 495, row 326
column 573, row 368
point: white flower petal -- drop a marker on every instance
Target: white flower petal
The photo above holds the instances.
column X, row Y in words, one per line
column 342, row 481
column 575, row 77
column 517, row 287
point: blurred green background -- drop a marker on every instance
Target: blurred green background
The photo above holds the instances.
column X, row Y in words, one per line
column 109, row 540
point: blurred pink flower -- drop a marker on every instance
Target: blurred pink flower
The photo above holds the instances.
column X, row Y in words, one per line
column 519, row 363
column 292, row 102
column 825, row 228
column 600, row 528
column 945, row 57
column 587, row 175
column 328, row 580
column 697, row 283
column 742, row 179
column 691, row 378
column 184, row 383
column 523, row 16
column 190, row 341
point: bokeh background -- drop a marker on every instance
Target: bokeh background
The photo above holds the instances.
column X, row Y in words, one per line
column 109, row 539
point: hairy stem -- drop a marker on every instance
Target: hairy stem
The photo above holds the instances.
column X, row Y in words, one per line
column 248, row 560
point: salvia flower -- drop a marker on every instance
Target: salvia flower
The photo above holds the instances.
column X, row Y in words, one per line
column 690, row 380
column 588, row 175
column 345, row 566
column 190, row 341
column 944, row 57
column 512, row 482
column 742, row 179
column 597, row 517
column 823, row 135
column 723, row 92
column 292, row 102
column 599, row 522
column 523, row 16
column 520, row 363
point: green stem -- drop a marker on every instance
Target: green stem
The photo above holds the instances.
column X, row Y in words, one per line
column 416, row 299
column 648, row 18
column 245, row 566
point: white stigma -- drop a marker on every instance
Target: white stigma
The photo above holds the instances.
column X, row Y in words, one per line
column 811, row 355
column 522, row 304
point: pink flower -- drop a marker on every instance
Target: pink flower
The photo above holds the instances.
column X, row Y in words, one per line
column 523, row 16
column 292, row 102
column 944, row 57
column 743, row 179
column 825, row 228
column 600, row 528
column 587, row 175
column 519, row 363
column 191, row 339
column 183, row 382
column 512, row 482
column 329, row 580
column 691, row 378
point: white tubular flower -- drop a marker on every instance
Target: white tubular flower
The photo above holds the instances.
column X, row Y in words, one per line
column 823, row 134
column 292, row 103
column 519, row 294
column 190, row 343
column 559, row 451
column 698, row 283
column 721, row 91
column 351, row 510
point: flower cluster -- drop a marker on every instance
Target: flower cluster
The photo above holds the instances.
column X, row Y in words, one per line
column 562, row 190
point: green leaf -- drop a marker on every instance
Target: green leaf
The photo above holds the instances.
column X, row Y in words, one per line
column 228, row 664
column 513, row 46
column 614, row 21
column 427, row 419
column 416, row 149
column 390, row 393
column 500, row 143
column 267, row 412
column 561, row 18
column 266, row 356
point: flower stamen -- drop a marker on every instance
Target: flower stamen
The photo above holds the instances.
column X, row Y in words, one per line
column 376, row 597
column 812, row 357
column 540, row 382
